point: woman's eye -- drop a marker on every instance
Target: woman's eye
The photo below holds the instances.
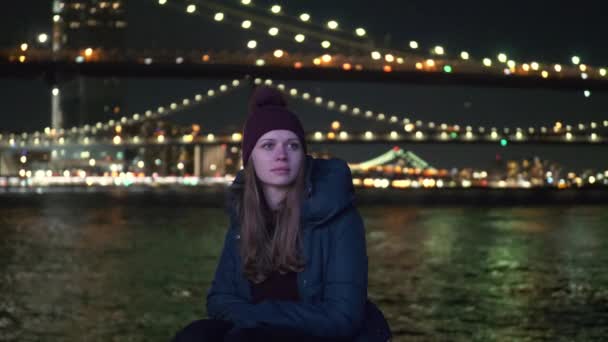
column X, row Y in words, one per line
column 267, row 146
column 294, row 146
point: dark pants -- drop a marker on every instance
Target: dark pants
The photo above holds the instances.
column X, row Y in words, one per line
column 208, row 330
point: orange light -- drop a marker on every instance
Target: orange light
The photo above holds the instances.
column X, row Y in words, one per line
column 358, row 67
column 419, row 66
column 88, row 52
column 347, row 66
column 387, row 68
column 205, row 58
column 430, row 63
column 326, row 58
column 297, row 65
column 317, row 61
column 196, row 128
column 331, row 135
column 22, row 59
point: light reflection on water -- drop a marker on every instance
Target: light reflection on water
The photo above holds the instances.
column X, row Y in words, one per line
column 140, row 272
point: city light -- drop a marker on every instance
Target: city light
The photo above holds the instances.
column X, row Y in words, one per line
column 413, row 44
column 360, row 32
column 191, row 9
column 273, row 31
column 325, row 44
column 246, row 24
column 305, row 17
column 276, row 9
column 218, row 16
column 299, row 38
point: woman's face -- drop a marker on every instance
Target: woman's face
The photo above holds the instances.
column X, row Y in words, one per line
column 277, row 158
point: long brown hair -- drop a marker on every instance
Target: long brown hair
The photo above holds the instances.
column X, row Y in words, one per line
column 269, row 241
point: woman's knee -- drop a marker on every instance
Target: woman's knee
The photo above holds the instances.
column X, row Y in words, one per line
column 205, row 330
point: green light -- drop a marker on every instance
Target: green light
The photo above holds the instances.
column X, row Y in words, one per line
column 454, row 135
column 447, row 68
column 503, row 142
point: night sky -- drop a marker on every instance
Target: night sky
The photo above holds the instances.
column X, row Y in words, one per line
column 525, row 30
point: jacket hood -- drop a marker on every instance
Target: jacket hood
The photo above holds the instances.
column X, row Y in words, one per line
column 328, row 191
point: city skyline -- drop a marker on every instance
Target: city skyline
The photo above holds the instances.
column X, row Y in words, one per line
column 465, row 105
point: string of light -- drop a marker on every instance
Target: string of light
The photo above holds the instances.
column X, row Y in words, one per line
column 446, row 131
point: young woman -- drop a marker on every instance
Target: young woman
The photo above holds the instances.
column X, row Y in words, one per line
column 294, row 261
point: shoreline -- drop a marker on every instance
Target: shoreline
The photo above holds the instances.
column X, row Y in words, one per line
column 214, row 196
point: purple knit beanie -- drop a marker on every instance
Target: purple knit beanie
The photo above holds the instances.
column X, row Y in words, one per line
column 267, row 112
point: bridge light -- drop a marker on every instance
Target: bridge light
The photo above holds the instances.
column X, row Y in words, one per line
column 487, row 62
column 325, row 44
column 237, row 137
column 219, row 16
column 502, row 58
column 42, row 38
column 430, row 63
column 511, row 64
column 439, row 50
column 300, row 38
column 557, row 68
column 360, row 32
column 246, row 2
column 191, row 9
column 376, row 55
column 273, row 31
column 305, row 17
column 576, row 60
column 602, row 72
column 326, row 58
column 246, row 24
column 568, row 136
column 318, row 136
column 343, row 135
column 419, row 135
column 116, row 140
column 24, row 47
column 389, row 58
column 369, row 135
column 464, row 55
column 276, row 9
column 593, row 136
column 278, row 53
column 534, row 66
column 413, row 45
column 582, row 67
column 332, row 24
column 544, row 74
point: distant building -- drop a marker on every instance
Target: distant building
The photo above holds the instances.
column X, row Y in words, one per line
column 98, row 26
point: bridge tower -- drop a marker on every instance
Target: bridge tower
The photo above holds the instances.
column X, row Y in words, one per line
column 91, row 27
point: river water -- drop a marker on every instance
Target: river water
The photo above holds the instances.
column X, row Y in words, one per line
column 76, row 270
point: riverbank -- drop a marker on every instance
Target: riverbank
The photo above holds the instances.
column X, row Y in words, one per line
column 214, row 196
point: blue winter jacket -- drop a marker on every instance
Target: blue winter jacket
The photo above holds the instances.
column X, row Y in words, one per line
column 332, row 287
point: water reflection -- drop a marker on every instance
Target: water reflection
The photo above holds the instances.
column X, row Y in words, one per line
column 139, row 272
